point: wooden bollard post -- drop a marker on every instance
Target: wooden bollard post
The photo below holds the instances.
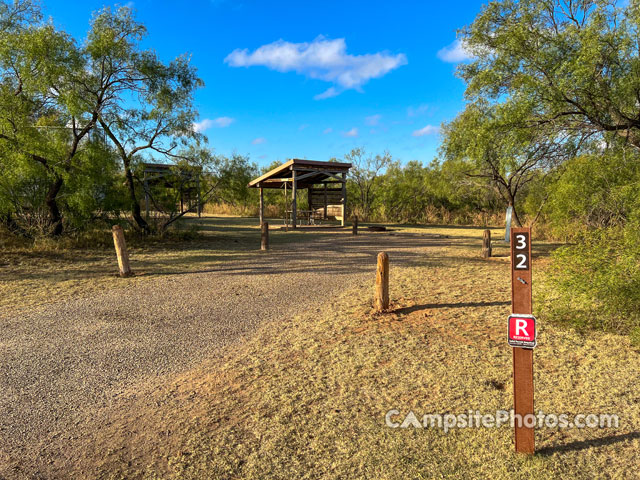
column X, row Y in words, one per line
column 121, row 251
column 382, row 283
column 355, row 225
column 486, row 244
column 264, row 241
column 521, row 303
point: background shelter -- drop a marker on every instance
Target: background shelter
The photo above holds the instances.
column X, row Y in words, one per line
column 318, row 178
column 184, row 180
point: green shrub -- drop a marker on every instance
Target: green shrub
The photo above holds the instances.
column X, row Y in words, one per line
column 595, row 283
column 594, row 191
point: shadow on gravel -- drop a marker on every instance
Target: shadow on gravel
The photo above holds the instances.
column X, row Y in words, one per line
column 337, row 254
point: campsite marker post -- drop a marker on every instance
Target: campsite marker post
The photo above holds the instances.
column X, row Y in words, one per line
column 522, row 333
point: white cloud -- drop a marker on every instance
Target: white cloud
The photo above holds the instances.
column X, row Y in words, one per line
column 373, row 120
column 222, row 122
column 328, row 93
column 203, row 125
column 258, row 141
column 303, row 126
column 327, row 130
column 351, row 133
column 321, row 59
column 456, row 52
column 428, row 130
column 419, row 110
column 207, row 123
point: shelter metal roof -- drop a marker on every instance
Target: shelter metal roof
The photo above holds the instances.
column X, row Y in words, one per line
column 309, row 172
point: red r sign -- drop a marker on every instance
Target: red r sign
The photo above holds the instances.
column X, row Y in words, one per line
column 522, row 330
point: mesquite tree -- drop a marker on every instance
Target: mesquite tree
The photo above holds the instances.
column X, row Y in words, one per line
column 156, row 114
column 59, row 99
column 486, row 139
column 364, row 174
column 45, row 109
column 575, row 64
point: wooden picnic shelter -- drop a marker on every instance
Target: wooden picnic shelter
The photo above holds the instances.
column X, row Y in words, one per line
column 185, row 180
column 318, row 178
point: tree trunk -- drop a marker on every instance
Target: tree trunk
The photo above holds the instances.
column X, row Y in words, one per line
column 512, row 203
column 126, row 162
column 51, row 200
column 516, row 217
column 135, row 205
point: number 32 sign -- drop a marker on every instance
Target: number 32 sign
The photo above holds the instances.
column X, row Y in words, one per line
column 521, row 251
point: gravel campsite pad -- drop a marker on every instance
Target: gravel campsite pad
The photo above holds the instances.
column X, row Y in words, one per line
column 62, row 359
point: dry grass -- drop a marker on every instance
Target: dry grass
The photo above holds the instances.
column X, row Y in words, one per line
column 306, row 397
column 37, row 273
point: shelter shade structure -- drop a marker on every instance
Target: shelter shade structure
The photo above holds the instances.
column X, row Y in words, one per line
column 325, row 200
column 184, row 179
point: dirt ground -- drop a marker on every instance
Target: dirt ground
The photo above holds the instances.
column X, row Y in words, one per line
column 275, row 366
column 64, row 360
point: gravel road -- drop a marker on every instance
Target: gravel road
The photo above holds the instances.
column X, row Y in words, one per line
column 63, row 358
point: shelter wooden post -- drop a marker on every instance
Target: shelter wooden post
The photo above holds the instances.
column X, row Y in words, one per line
column 521, row 302
column 146, row 197
column 121, row 251
column 264, row 236
column 286, row 200
column 355, row 225
column 199, row 198
column 325, row 201
column 294, row 201
column 261, row 206
column 486, row 244
column 344, row 197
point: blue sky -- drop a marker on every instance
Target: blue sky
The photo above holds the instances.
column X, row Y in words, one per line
column 310, row 79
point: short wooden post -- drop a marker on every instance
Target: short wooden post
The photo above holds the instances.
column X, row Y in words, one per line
column 355, row 225
column 264, row 230
column 382, row 283
column 121, row 251
column 486, row 244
